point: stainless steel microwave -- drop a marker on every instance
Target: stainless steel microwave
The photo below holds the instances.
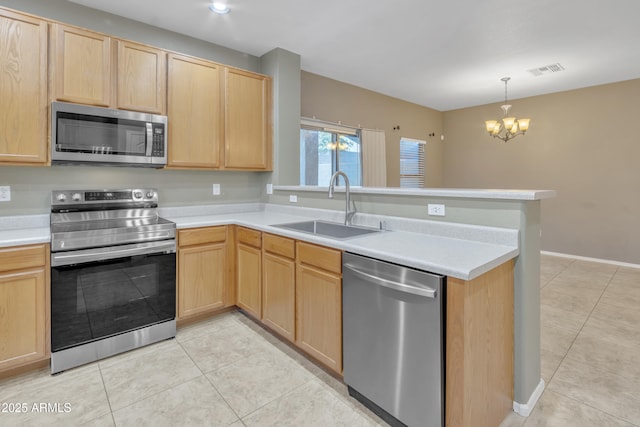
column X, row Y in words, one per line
column 83, row 134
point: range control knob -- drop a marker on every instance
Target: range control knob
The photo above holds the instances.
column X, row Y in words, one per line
column 76, row 197
column 61, row 197
column 150, row 194
column 137, row 194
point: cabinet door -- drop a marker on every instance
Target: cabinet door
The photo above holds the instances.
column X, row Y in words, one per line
column 23, row 89
column 201, row 278
column 319, row 315
column 194, row 108
column 249, row 268
column 279, row 297
column 81, row 66
column 141, row 78
column 22, row 317
column 247, row 120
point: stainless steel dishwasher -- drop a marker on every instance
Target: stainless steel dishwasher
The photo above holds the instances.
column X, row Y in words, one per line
column 393, row 345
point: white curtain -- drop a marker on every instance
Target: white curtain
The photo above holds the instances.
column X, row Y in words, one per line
column 374, row 159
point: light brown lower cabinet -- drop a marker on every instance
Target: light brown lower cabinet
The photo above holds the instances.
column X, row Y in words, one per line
column 24, row 305
column 279, row 285
column 202, row 270
column 479, row 349
column 249, row 271
column 319, row 303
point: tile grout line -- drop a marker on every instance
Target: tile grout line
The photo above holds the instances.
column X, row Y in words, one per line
column 557, row 274
column 222, row 367
column 106, row 393
column 151, row 395
column 279, row 397
column 585, row 320
column 596, row 409
column 573, row 342
column 209, row 380
column 288, row 359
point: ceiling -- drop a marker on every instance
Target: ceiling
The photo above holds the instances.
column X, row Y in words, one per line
column 440, row 54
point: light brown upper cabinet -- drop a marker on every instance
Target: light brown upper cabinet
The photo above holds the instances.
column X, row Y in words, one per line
column 195, row 113
column 80, row 66
column 95, row 69
column 247, row 120
column 141, row 78
column 23, row 89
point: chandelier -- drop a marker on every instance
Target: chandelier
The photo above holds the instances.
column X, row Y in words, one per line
column 510, row 126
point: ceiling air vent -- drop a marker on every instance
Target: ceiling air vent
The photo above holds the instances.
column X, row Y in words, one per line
column 547, row 69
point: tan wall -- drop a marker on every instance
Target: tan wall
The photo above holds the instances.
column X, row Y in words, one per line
column 334, row 101
column 582, row 143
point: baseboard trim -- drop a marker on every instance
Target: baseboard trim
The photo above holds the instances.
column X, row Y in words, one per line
column 525, row 409
column 584, row 258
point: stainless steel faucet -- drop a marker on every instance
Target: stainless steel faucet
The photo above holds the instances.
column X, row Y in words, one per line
column 348, row 214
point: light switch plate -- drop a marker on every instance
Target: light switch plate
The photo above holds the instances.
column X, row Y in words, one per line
column 216, row 189
column 293, row 198
column 5, row 193
column 269, row 188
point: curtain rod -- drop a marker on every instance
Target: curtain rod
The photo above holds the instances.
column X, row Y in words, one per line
column 339, row 123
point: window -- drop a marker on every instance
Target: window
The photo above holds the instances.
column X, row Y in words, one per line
column 411, row 163
column 325, row 150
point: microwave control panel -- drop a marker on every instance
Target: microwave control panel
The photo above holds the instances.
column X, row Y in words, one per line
column 158, row 140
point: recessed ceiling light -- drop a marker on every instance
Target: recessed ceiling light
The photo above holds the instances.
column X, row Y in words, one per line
column 219, row 8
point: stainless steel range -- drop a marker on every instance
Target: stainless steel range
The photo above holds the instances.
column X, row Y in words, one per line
column 113, row 274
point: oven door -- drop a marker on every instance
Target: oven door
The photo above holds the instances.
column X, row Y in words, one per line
column 103, row 292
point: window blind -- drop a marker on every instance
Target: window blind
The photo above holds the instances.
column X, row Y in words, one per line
column 411, row 163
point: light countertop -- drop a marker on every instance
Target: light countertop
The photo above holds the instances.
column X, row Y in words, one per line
column 458, row 250
column 24, row 230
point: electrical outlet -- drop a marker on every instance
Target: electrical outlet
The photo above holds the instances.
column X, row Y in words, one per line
column 435, row 210
column 5, row 193
column 216, row 189
column 269, row 188
column 293, row 198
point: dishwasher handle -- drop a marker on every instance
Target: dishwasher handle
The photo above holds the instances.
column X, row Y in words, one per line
column 402, row 287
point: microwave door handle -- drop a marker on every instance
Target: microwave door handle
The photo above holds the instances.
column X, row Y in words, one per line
column 149, row 144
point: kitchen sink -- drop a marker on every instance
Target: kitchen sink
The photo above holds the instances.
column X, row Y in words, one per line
column 328, row 229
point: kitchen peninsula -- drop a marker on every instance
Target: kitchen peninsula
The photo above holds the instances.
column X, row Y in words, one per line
column 455, row 247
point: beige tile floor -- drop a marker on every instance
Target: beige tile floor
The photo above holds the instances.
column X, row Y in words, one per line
column 227, row 371
column 590, row 339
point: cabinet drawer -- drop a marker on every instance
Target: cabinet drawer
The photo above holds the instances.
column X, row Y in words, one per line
column 250, row 237
column 198, row 236
column 21, row 257
column 280, row 245
column 320, row 256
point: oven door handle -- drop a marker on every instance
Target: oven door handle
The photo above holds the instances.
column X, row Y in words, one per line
column 101, row 254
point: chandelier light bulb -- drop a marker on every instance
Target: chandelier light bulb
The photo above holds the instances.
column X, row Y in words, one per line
column 490, row 125
column 524, row 124
column 508, row 122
